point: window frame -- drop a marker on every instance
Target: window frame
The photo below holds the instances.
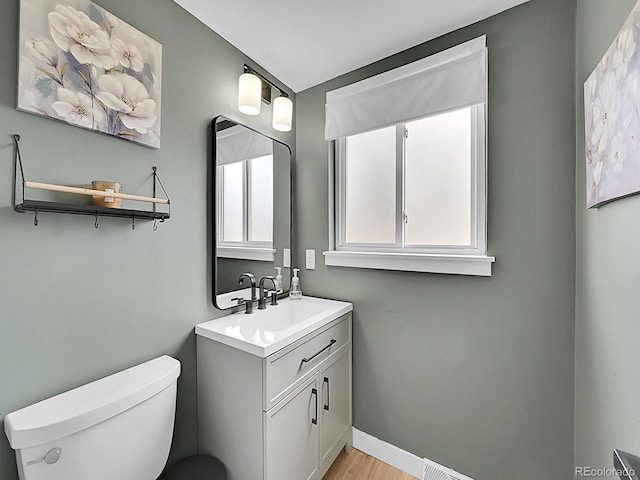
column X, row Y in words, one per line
column 468, row 260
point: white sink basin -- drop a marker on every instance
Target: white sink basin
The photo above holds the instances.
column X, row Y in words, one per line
column 266, row 331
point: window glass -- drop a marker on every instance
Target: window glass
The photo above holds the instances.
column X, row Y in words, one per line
column 438, row 180
column 260, row 214
column 370, row 187
column 232, row 201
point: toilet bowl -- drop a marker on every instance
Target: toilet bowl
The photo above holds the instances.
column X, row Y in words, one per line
column 116, row 428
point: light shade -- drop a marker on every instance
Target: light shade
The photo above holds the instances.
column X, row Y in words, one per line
column 249, row 94
column 282, row 114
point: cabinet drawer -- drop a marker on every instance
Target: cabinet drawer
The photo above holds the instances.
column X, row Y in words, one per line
column 283, row 369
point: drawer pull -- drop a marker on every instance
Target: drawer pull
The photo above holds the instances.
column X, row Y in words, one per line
column 326, row 405
column 315, row 419
column 305, row 360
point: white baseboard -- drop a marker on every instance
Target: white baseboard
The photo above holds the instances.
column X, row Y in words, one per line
column 387, row 453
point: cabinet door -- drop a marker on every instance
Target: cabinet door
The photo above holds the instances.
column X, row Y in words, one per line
column 291, row 435
column 335, row 402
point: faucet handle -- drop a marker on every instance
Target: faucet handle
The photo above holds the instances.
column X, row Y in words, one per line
column 248, row 304
column 240, row 300
column 274, row 297
column 248, row 307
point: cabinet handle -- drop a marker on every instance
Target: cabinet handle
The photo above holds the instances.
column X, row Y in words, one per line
column 315, row 419
column 305, row 360
column 326, row 405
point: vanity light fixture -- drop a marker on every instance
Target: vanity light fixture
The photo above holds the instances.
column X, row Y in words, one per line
column 282, row 113
column 249, row 94
column 254, row 89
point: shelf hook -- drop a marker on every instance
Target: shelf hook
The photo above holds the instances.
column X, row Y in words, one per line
column 35, row 219
column 133, row 223
column 96, row 224
column 155, row 224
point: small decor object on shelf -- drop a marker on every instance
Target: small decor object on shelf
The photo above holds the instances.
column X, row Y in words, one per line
column 81, row 64
column 109, row 187
column 612, row 122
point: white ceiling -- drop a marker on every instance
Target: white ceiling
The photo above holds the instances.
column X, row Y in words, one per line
column 306, row 42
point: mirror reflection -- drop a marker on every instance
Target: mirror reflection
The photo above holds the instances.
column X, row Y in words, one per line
column 252, row 211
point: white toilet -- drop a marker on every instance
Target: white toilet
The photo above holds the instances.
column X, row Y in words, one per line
column 116, row 428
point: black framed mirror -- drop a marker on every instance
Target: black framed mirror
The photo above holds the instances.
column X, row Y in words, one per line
column 252, row 192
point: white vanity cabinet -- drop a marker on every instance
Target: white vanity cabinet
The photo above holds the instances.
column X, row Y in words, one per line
column 335, row 414
column 291, row 439
column 283, row 416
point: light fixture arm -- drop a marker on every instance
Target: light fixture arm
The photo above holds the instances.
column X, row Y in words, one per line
column 248, row 69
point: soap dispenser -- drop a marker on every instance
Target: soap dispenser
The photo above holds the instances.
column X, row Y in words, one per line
column 295, row 293
column 279, row 279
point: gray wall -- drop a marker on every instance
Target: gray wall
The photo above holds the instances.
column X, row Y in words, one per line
column 607, row 391
column 78, row 303
column 475, row 373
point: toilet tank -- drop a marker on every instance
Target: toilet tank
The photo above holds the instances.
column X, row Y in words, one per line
column 116, row 428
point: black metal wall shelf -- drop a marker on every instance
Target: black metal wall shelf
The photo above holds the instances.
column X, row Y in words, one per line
column 38, row 206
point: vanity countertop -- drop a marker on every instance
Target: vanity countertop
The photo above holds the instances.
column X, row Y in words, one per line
column 267, row 331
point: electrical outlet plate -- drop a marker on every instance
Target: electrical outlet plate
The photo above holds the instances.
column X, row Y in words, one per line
column 311, row 259
column 286, row 258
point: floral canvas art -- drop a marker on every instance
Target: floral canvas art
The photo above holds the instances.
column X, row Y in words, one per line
column 82, row 65
column 612, row 118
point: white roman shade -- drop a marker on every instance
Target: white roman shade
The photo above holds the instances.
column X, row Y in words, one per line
column 237, row 144
column 452, row 79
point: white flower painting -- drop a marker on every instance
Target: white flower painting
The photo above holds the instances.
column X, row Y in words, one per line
column 612, row 118
column 84, row 66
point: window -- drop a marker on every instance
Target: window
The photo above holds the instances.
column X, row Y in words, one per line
column 409, row 187
column 245, row 209
column 410, row 194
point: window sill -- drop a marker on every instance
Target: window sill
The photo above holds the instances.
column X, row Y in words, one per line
column 246, row 253
column 478, row 265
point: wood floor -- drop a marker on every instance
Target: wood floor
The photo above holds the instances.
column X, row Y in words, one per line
column 360, row 466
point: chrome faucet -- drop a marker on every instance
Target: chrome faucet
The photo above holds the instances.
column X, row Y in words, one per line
column 249, row 302
column 262, row 299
